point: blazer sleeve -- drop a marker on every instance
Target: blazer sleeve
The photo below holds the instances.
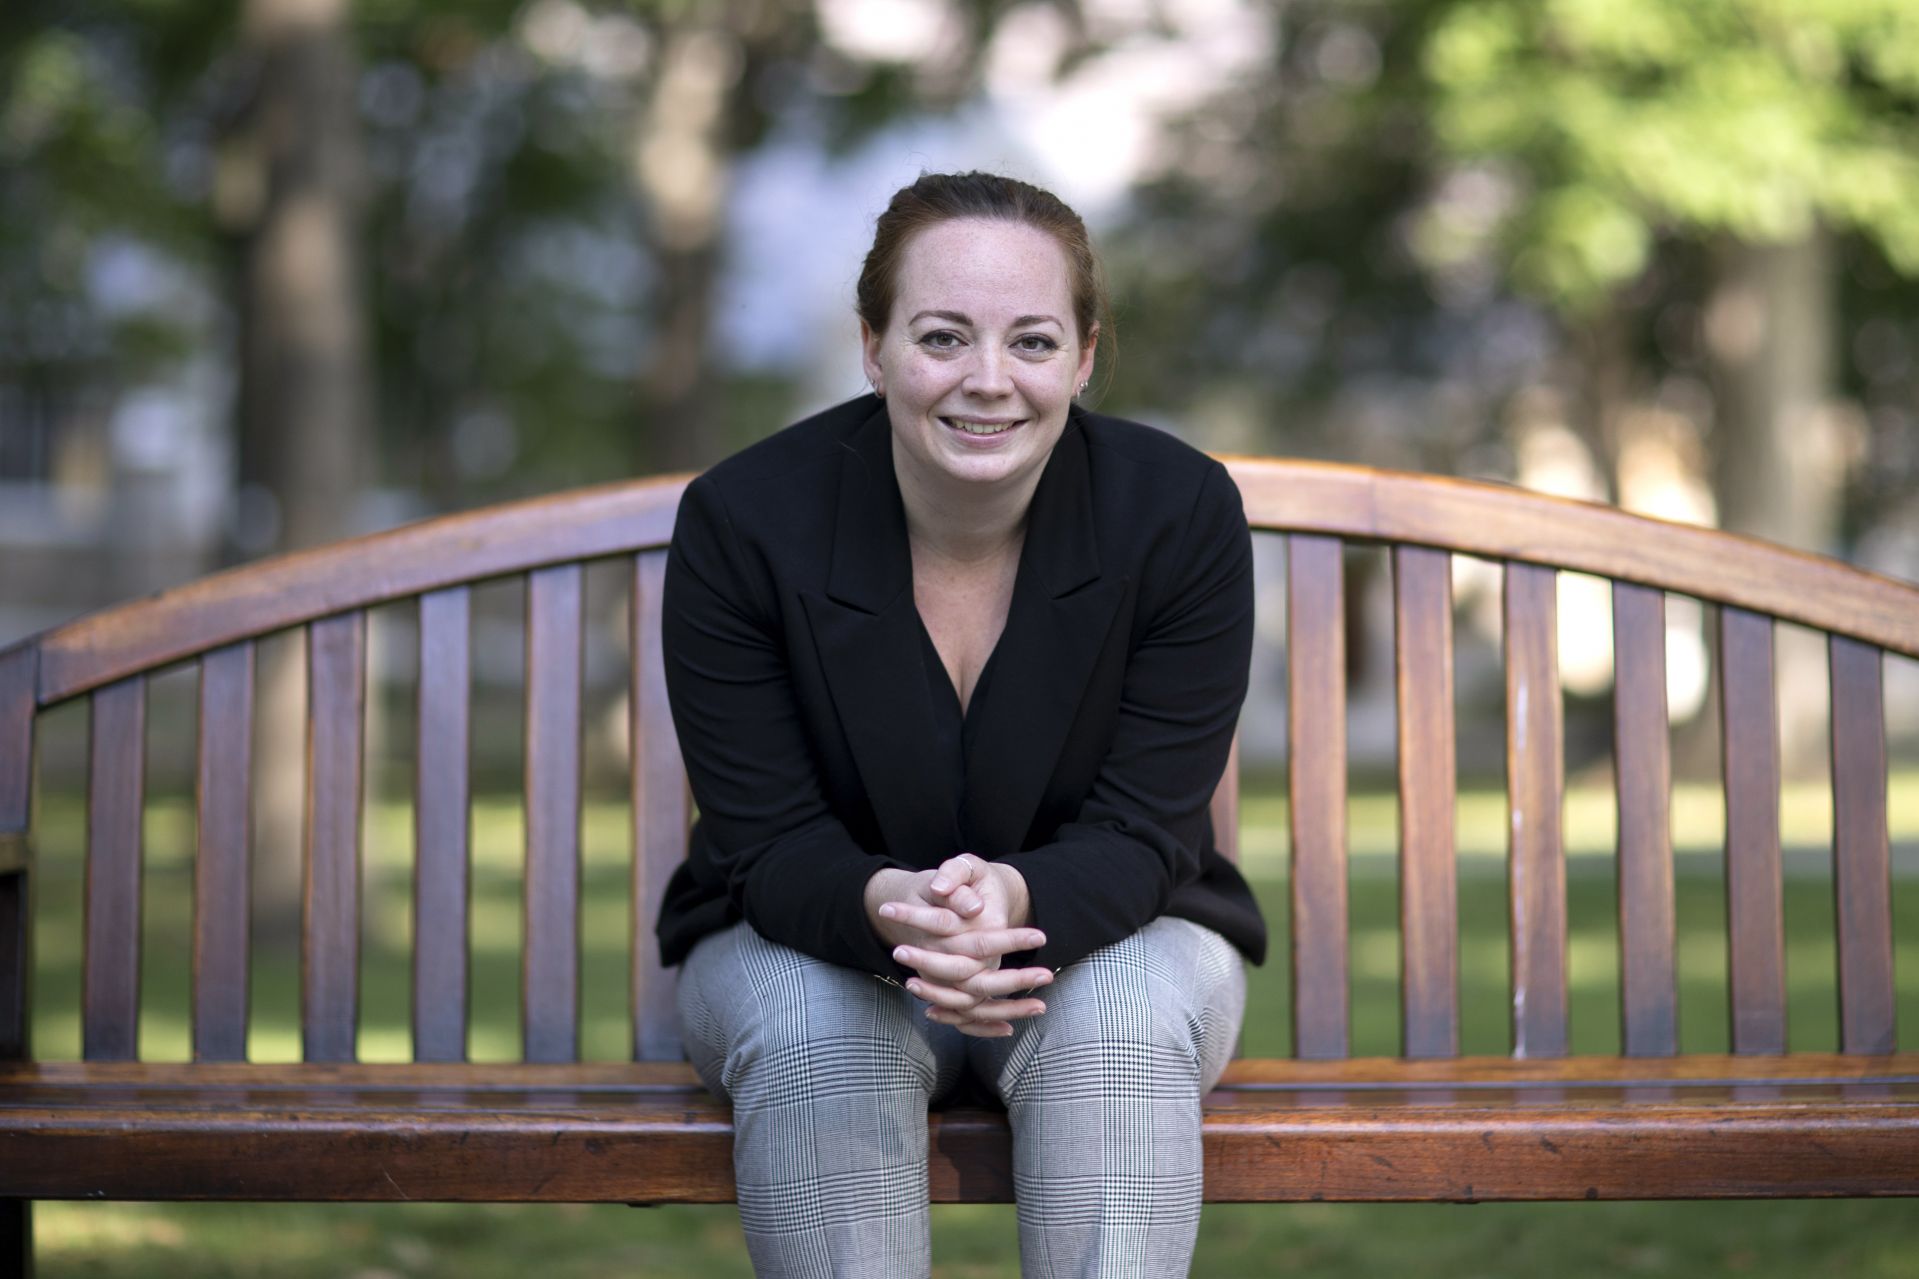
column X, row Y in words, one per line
column 789, row 865
column 1137, row 837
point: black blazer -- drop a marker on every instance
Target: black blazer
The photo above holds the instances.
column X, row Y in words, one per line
column 795, row 669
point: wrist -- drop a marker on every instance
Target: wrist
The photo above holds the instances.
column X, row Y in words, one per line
column 1019, row 902
column 889, row 884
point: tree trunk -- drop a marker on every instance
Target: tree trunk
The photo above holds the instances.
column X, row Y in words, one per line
column 706, row 107
column 1778, row 455
column 290, row 191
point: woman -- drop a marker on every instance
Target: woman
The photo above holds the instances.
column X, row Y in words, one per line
column 955, row 667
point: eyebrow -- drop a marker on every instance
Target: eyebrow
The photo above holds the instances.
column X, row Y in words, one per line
column 956, row 317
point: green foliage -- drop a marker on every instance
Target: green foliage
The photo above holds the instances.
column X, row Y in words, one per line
column 1629, row 120
column 94, row 118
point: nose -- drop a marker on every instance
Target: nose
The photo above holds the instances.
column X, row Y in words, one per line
column 989, row 375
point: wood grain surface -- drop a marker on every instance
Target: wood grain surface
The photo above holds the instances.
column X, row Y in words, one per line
column 550, row 962
column 222, row 875
column 336, row 752
column 442, row 823
column 1316, row 775
column 1862, row 852
column 1755, row 922
column 1495, row 521
column 116, row 794
column 1535, row 779
column 1642, row 761
column 1428, row 879
column 1292, row 1131
column 662, row 813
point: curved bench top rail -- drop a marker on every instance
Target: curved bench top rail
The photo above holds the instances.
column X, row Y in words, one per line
column 287, row 590
column 1501, row 521
column 1472, row 517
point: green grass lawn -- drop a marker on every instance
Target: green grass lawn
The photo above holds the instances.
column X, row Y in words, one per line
column 1797, row 1238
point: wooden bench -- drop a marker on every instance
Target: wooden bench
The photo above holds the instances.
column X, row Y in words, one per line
column 1427, row 1125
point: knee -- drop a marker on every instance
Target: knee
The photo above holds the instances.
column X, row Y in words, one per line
column 847, row 1039
column 1114, row 1026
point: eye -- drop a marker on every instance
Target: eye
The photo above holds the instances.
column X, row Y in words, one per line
column 940, row 340
column 1035, row 344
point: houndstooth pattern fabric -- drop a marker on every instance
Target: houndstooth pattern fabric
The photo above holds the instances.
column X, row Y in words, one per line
column 1104, row 1094
column 830, row 1073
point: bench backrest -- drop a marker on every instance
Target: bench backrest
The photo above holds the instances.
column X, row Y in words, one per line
column 217, row 622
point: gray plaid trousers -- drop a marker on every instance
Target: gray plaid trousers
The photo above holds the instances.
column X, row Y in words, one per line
column 830, row 1072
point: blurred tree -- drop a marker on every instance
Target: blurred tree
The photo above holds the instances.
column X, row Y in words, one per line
column 725, row 76
column 1758, row 127
column 1427, row 207
column 98, row 122
column 289, row 189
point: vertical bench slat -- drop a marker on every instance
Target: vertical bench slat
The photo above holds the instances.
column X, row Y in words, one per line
column 1316, row 766
column 1428, row 887
column 1862, row 869
column 18, row 703
column 19, row 669
column 1642, row 754
column 220, row 869
column 15, row 951
column 1223, row 809
column 441, row 825
column 336, row 718
column 116, row 784
column 550, row 989
column 1535, row 778
column 1754, row 923
column 661, row 811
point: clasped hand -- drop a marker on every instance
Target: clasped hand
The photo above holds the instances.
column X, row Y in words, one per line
column 953, row 925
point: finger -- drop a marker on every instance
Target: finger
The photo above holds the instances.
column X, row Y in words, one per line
column 928, row 919
column 994, row 983
column 1001, row 1010
column 965, row 902
column 940, row 995
column 971, row 1026
column 991, row 943
column 991, row 984
column 956, row 871
column 987, row 1030
column 998, row 1013
column 945, row 969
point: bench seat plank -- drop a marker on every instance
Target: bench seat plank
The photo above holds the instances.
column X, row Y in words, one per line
column 1364, row 1129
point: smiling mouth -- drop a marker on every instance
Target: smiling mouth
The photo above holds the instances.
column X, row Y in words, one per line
column 970, row 427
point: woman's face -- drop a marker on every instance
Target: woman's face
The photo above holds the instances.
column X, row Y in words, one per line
column 981, row 356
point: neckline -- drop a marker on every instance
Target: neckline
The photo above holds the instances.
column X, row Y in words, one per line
column 937, row 673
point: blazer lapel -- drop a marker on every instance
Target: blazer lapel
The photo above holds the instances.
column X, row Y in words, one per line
column 1062, row 612
column 867, row 630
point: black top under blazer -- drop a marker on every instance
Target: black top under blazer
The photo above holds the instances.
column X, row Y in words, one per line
column 796, row 672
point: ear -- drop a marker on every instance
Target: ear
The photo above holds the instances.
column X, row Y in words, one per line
column 870, row 356
column 1086, row 352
